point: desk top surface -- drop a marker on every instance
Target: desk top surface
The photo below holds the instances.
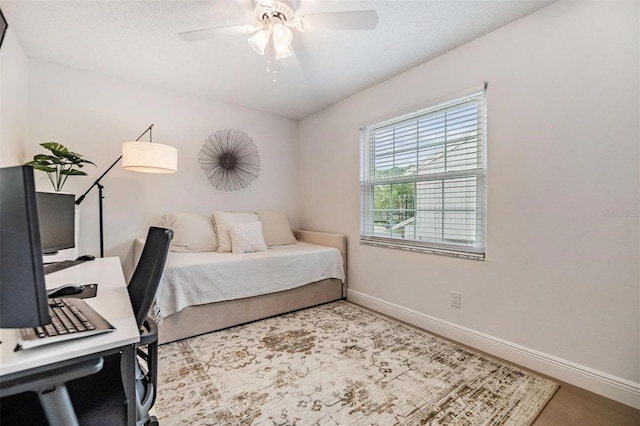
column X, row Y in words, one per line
column 111, row 301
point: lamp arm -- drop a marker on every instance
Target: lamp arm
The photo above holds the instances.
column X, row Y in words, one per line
column 97, row 182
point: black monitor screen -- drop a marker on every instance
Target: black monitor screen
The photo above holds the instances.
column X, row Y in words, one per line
column 23, row 295
column 56, row 214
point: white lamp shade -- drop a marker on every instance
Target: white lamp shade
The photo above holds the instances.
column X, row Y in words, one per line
column 281, row 35
column 282, row 41
column 259, row 41
column 148, row 157
column 283, row 51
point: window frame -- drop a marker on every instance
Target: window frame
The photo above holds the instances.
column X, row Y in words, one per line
column 475, row 247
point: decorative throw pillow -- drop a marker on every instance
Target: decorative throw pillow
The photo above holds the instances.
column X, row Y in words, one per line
column 192, row 232
column 247, row 238
column 276, row 228
column 222, row 222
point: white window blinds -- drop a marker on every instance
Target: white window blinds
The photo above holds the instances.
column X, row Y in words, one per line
column 423, row 179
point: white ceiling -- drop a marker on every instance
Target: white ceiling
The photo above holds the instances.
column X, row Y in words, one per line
column 136, row 40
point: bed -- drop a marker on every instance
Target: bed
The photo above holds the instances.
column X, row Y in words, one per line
column 203, row 291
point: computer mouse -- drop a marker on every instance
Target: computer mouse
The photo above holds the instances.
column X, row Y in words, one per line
column 86, row 257
column 66, row 290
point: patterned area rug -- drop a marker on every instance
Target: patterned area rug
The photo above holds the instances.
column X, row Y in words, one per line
column 339, row 364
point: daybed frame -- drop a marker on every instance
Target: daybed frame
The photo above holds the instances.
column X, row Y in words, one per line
column 201, row 319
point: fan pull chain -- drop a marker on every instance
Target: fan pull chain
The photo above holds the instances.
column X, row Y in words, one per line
column 271, row 61
column 272, row 71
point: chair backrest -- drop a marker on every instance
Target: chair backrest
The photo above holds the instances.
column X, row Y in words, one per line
column 144, row 282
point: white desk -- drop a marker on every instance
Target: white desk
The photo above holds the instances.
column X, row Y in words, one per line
column 111, row 301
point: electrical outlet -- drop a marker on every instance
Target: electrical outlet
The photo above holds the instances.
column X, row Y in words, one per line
column 455, row 299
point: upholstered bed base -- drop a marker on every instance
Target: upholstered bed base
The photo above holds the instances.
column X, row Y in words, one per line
column 201, row 319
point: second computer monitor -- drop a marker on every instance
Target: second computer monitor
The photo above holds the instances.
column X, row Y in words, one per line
column 56, row 214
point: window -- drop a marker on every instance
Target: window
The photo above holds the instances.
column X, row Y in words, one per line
column 423, row 179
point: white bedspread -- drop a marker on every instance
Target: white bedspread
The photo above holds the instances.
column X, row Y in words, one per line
column 200, row 278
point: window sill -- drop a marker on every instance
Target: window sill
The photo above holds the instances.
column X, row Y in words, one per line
column 422, row 249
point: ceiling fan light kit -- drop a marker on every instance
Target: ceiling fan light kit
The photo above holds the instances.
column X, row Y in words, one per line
column 275, row 20
column 273, row 16
column 259, row 41
column 282, row 38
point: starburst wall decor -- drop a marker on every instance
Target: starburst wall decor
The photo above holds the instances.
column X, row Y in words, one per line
column 230, row 159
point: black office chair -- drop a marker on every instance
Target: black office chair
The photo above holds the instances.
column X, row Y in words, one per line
column 142, row 290
column 104, row 404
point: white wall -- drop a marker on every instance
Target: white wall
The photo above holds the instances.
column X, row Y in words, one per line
column 93, row 115
column 13, row 101
column 561, row 278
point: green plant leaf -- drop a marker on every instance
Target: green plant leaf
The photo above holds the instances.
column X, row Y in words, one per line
column 73, row 172
column 55, row 147
column 43, row 158
column 44, row 168
column 60, row 154
column 40, row 163
column 75, row 158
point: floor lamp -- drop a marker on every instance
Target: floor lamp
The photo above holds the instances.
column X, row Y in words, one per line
column 143, row 157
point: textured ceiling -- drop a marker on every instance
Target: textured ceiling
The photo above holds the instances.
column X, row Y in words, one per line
column 136, row 40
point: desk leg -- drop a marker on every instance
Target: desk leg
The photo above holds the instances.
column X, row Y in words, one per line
column 128, row 371
column 57, row 406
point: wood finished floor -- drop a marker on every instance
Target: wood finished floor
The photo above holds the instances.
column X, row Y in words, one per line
column 571, row 405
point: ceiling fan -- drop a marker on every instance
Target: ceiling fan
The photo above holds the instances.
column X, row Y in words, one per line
column 275, row 20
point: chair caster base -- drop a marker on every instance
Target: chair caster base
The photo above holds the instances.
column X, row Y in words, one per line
column 153, row 421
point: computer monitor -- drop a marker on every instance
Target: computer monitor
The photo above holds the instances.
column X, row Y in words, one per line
column 56, row 215
column 23, row 295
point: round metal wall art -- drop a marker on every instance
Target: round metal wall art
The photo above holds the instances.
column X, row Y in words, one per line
column 230, row 159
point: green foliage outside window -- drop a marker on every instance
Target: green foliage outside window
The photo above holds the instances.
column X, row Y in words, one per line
column 393, row 202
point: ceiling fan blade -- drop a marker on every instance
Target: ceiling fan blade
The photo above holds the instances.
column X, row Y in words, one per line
column 217, row 32
column 354, row 20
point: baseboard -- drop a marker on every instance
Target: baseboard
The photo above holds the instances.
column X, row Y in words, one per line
column 604, row 384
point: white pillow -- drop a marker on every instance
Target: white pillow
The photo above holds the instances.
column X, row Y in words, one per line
column 276, row 228
column 192, row 232
column 247, row 238
column 222, row 222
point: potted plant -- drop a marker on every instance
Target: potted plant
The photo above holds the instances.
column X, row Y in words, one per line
column 60, row 164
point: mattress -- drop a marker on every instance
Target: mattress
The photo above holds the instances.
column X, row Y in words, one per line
column 200, row 278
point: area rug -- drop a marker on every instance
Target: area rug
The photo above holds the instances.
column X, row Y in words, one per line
column 339, row 364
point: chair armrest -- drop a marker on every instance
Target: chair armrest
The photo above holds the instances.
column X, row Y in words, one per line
column 149, row 332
